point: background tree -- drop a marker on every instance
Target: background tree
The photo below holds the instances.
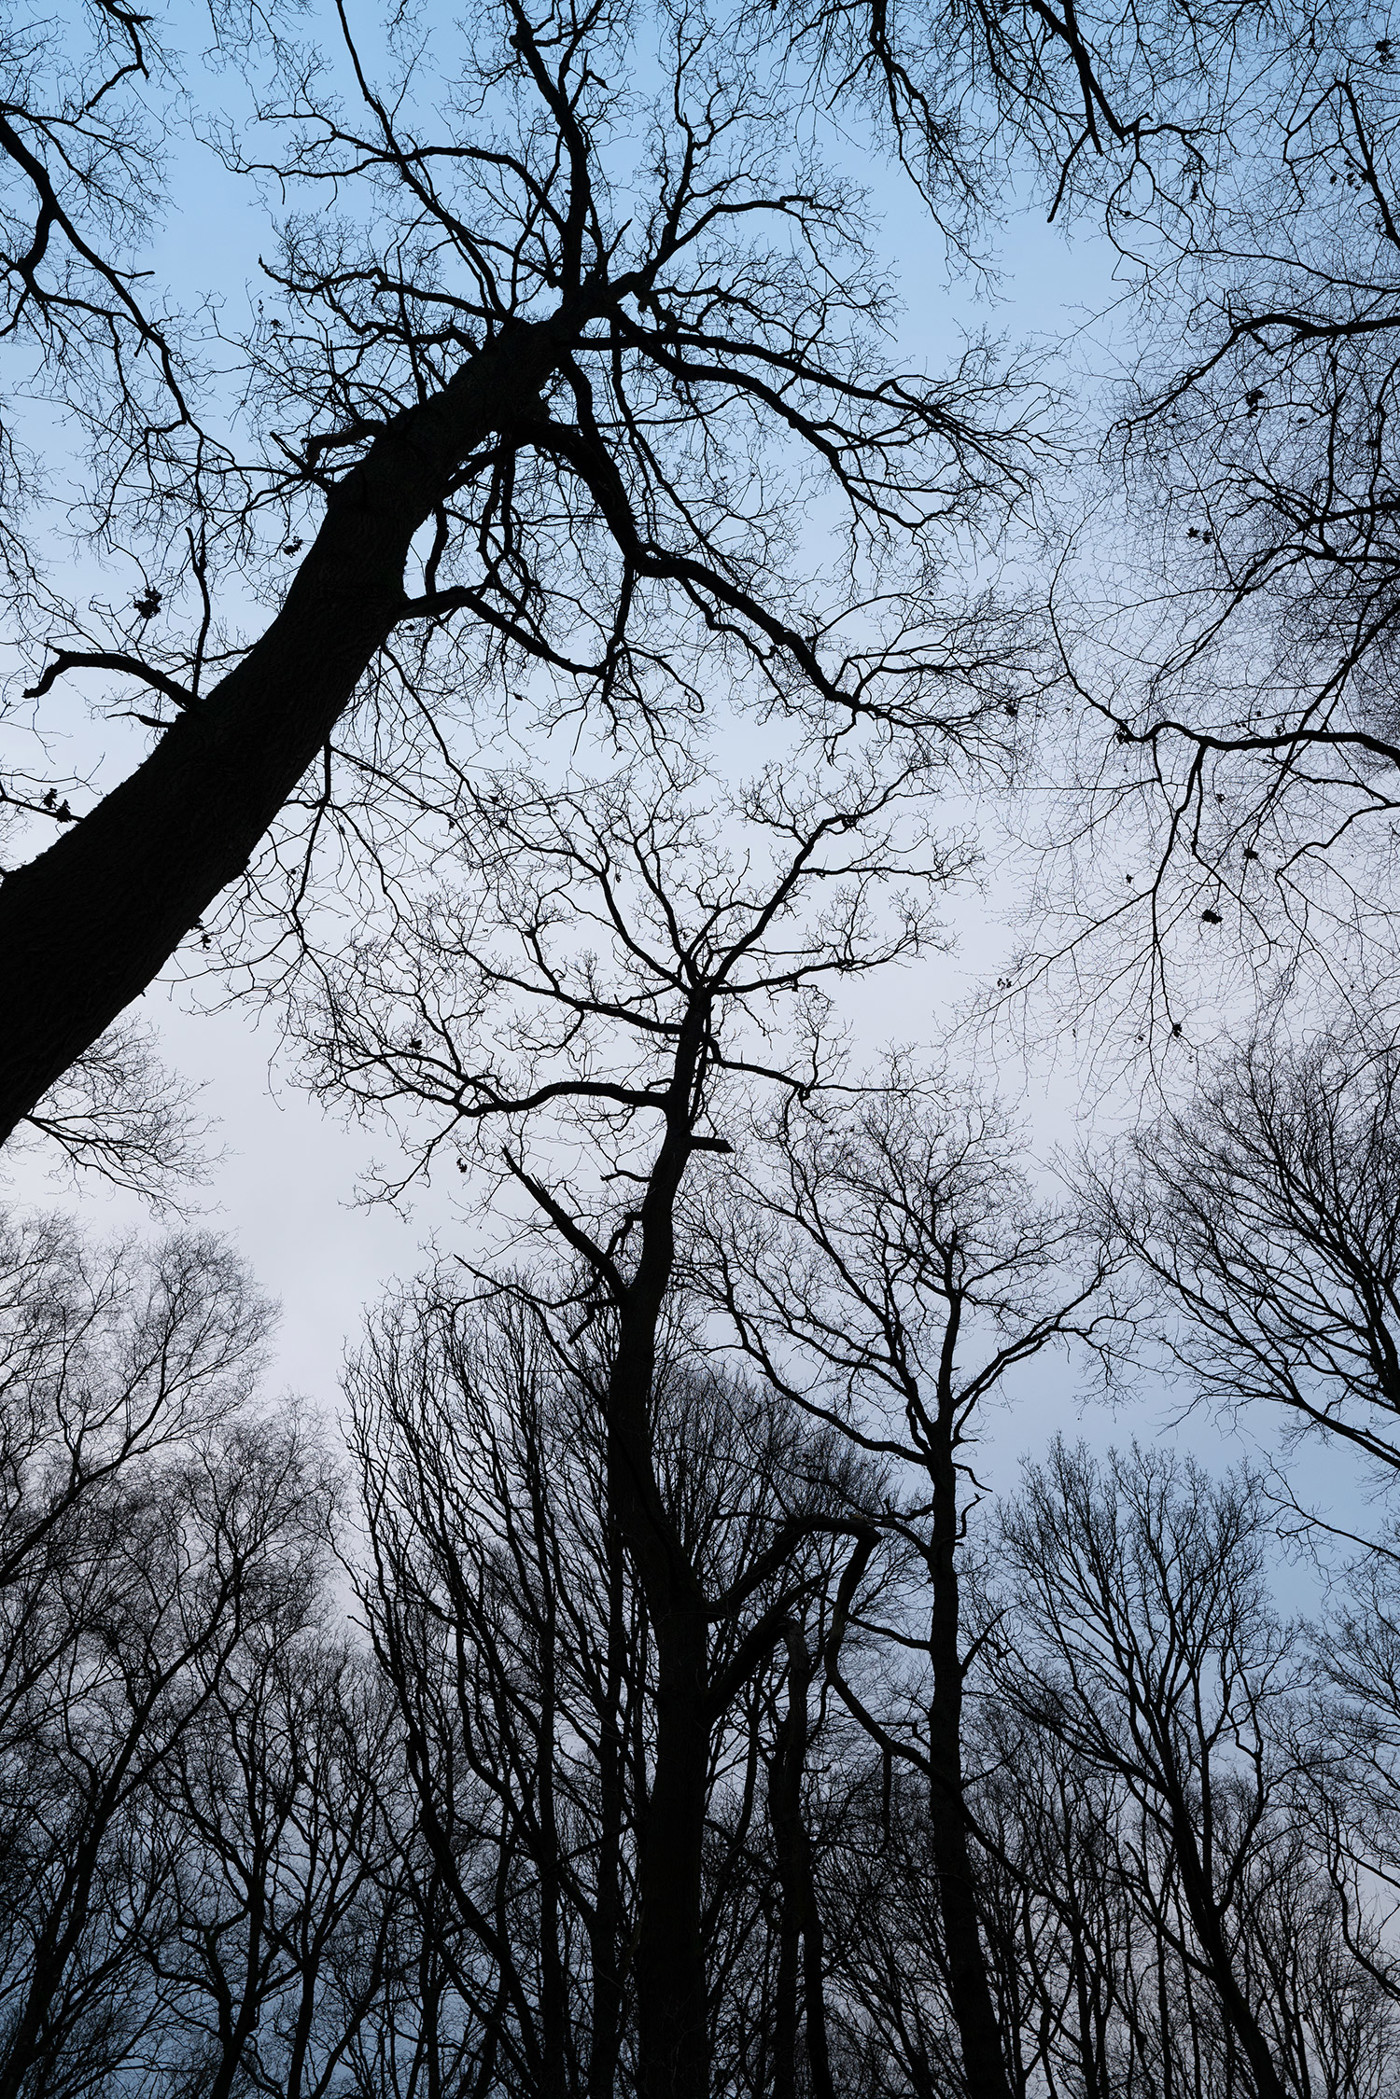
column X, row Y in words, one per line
column 1231, row 631
column 887, row 1270
column 151, row 1522
column 661, row 1028
column 518, row 1645
column 1143, row 1637
column 241, row 1846
column 1265, row 1212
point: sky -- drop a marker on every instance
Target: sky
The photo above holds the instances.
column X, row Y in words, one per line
column 284, row 1187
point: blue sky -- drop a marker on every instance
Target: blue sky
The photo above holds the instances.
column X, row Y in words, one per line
column 284, row 1189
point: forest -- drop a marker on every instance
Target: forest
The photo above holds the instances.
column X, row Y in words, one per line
column 754, row 645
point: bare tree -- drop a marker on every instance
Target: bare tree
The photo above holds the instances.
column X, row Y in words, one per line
column 512, row 1019
column 498, row 1609
column 278, row 1926
column 118, row 1112
column 109, row 1358
column 87, row 99
column 1144, row 1638
column 1089, row 1917
column 150, row 1523
column 1083, row 100
column 570, row 403
column 800, row 1918
column 892, row 1271
column 1347, row 1766
column 1265, row 1210
column 1234, row 635
column 519, row 1649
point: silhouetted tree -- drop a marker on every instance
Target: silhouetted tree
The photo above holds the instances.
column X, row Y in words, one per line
column 1265, row 1210
column 151, row 1525
column 664, row 1028
column 888, row 1271
column 521, row 407
column 1142, row 1637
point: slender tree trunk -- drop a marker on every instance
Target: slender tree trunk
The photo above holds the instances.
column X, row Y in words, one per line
column 814, row 1983
column 89, row 924
column 1092, row 2066
column 34, row 2037
column 432, row 2037
column 244, row 2024
column 1205, row 1918
column 30, row 2038
column 301, row 2032
column 672, row 2027
column 785, row 2003
column 607, row 1897
column 801, row 1918
column 553, row 1989
column 669, row 1961
column 1164, row 2021
column 969, row 1986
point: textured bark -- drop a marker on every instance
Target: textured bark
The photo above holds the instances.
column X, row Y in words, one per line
column 87, row 926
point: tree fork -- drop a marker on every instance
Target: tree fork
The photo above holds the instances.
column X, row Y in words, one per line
column 89, row 924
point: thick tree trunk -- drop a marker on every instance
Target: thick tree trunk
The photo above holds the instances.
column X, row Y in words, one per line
column 672, row 2028
column 90, row 923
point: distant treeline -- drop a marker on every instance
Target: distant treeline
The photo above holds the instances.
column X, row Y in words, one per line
column 321, row 1778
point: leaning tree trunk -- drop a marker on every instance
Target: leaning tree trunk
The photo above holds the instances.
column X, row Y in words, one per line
column 88, row 925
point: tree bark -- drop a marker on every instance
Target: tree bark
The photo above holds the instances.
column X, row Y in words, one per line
column 801, row 1916
column 969, row 1989
column 1206, row 1917
column 88, row 925
column 606, row 1921
column 672, row 2027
